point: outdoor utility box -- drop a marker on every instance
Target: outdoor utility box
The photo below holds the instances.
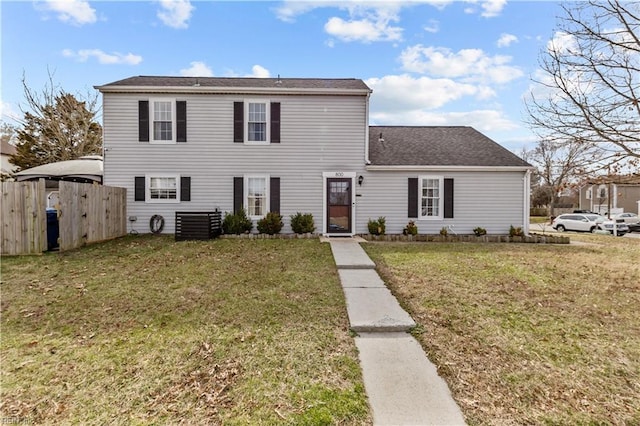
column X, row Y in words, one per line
column 53, row 230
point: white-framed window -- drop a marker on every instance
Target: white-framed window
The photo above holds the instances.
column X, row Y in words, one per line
column 431, row 191
column 256, row 195
column 163, row 119
column 588, row 194
column 257, row 122
column 163, row 188
column 602, row 191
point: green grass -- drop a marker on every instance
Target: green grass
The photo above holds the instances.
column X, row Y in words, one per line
column 144, row 330
column 539, row 219
column 523, row 333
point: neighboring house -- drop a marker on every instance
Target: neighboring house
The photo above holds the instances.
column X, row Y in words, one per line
column 86, row 169
column 300, row 145
column 616, row 195
column 6, row 168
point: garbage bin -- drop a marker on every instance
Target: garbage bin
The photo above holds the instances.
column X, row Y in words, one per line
column 53, row 230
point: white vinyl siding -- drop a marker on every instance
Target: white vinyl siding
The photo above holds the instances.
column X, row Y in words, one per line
column 493, row 200
column 319, row 133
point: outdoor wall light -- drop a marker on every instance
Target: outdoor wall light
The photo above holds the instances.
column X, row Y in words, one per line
column 360, row 180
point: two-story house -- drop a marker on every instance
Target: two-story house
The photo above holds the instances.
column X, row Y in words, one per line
column 300, row 145
column 615, row 195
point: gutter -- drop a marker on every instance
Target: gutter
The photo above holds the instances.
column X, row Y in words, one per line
column 382, row 168
column 231, row 90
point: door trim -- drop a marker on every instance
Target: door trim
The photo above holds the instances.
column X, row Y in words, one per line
column 338, row 175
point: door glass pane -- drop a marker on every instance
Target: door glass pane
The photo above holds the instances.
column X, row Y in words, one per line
column 339, row 206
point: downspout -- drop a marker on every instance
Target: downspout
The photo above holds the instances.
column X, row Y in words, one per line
column 526, row 202
column 366, row 131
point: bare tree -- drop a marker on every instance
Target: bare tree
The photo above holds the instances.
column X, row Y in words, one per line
column 588, row 90
column 56, row 126
column 559, row 165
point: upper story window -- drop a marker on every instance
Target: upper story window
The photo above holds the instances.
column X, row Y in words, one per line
column 588, row 194
column 162, row 121
column 256, row 122
column 602, row 191
column 431, row 197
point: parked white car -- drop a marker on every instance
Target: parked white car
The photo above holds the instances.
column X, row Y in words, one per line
column 577, row 222
column 626, row 217
column 621, row 227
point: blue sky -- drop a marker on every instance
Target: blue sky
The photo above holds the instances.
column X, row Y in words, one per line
column 432, row 62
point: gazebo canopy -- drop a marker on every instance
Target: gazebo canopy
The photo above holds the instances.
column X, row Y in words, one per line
column 85, row 169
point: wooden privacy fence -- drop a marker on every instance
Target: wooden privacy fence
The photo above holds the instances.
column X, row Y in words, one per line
column 90, row 213
column 87, row 213
column 24, row 219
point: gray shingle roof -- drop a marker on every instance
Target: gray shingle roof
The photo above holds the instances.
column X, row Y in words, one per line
column 437, row 146
column 232, row 82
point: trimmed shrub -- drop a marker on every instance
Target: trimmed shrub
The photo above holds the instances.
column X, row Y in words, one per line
column 377, row 227
column 302, row 223
column 236, row 223
column 444, row 231
column 515, row 232
column 479, row 231
column 270, row 224
column 410, row 229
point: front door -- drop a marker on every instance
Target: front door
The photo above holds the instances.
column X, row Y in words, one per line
column 338, row 205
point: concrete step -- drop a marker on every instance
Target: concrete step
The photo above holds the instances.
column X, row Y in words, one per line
column 403, row 386
column 360, row 278
column 349, row 255
column 375, row 309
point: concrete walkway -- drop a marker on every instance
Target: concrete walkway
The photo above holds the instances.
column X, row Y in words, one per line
column 402, row 385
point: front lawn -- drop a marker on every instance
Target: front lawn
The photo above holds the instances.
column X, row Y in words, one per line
column 145, row 330
column 527, row 333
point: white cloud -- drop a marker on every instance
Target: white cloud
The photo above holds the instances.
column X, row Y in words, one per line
column 175, row 13
column 472, row 64
column 83, row 55
column 406, row 93
column 197, row 69
column 259, row 72
column 506, row 40
column 76, row 12
column 482, row 120
column 9, row 112
column 365, row 30
column 563, row 43
column 433, row 26
column 492, row 8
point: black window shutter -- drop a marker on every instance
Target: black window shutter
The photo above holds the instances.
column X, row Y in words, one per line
column 275, row 122
column 274, row 194
column 413, row 198
column 448, row 198
column 181, row 121
column 238, row 122
column 139, row 192
column 185, row 188
column 143, row 121
column 238, row 194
